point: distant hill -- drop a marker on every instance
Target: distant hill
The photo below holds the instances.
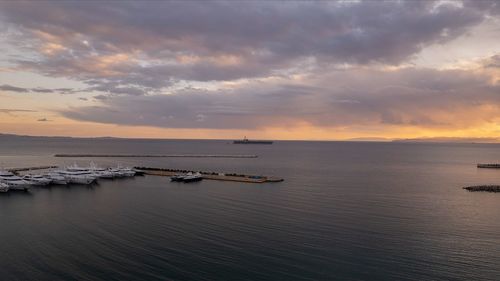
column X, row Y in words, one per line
column 370, row 139
column 13, row 136
column 451, row 140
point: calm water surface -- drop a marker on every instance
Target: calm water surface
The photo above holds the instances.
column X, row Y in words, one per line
column 346, row 211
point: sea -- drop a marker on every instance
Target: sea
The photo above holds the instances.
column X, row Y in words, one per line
column 345, row 211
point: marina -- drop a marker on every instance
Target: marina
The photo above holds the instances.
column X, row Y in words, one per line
column 13, row 179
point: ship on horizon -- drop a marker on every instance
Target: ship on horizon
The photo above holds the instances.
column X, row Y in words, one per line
column 247, row 141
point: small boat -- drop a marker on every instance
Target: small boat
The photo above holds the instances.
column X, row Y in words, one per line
column 38, row 180
column 177, row 178
column 192, row 177
column 4, row 187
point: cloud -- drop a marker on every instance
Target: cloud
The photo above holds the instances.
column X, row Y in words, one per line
column 493, row 61
column 424, row 98
column 101, row 97
column 131, row 48
column 8, row 110
column 42, row 90
column 260, row 64
column 9, row 88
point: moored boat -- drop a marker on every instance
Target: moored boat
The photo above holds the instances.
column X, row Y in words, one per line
column 117, row 173
column 128, row 172
column 177, row 177
column 101, row 173
column 38, row 180
column 14, row 182
column 56, row 178
column 192, row 177
column 77, row 175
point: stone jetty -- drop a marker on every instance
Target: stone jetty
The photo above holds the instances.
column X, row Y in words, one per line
column 153, row 155
column 485, row 188
column 209, row 175
column 489, row 166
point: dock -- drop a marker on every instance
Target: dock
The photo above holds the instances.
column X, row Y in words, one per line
column 209, row 175
column 484, row 188
column 489, row 166
column 156, row 156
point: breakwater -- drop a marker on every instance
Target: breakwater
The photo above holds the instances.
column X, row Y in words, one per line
column 156, row 156
column 489, row 166
column 209, row 175
column 485, row 188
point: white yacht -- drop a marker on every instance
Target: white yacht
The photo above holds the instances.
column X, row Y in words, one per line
column 37, row 180
column 56, row 178
column 190, row 177
column 14, row 182
column 117, row 173
column 77, row 175
column 128, row 172
column 4, row 187
column 101, row 172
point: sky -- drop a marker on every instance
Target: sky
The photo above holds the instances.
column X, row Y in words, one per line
column 312, row 70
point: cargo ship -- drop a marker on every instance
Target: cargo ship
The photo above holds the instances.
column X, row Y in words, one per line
column 247, row 141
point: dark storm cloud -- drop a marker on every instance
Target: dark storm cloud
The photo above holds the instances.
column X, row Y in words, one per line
column 164, row 42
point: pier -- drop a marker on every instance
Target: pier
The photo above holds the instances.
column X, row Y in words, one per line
column 489, row 166
column 159, row 156
column 484, row 188
column 209, row 175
